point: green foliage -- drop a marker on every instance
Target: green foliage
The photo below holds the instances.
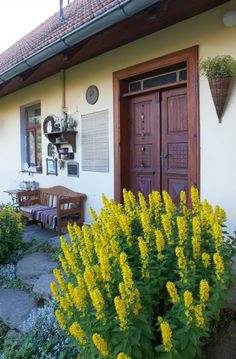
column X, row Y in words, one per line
column 114, row 294
column 41, row 338
column 218, row 66
column 11, row 228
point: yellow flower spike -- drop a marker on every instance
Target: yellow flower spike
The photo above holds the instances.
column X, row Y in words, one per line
column 60, row 279
column 61, row 319
column 199, row 316
column 196, row 245
column 93, row 214
column 172, row 290
column 169, row 205
column 219, row 264
column 145, row 220
column 100, row 344
column 195, row 200
column 89, row 278
column 217, row 234
column 78, row 333
column 122, row 290
column 196, row 238
column 196, row 223
column 182, row 229
column 166, row 334
column 188, row 299
column 121, row 312
column 65, row 305
column 72, row 233
column 115, row 248
column 104, row 266
column 204, row 290
column 97, row 301
column 144, row 256
column 206, row 259
column 64, row 264
column 167, row 225
column 123, row 356
column 55, row 290
column 123, row 259
column 125, row 225
column 142, row 202
column 183, row 202
column 182, row 263
column 160, row 243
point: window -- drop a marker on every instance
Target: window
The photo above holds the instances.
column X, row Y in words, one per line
column 33, row 137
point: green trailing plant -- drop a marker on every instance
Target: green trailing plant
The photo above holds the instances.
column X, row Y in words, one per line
column 146, row 280
column 11, row 229
column 218, row 66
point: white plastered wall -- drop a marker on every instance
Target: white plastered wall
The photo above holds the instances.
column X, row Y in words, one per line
column 218, row 141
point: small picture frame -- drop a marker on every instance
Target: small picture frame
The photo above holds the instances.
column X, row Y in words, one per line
column 51, row 165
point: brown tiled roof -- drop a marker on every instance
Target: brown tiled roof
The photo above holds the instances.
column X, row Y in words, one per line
column 76, row 14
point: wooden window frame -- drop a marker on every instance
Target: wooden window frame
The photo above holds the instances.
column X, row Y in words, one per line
column 32, row 128
column 120, row 80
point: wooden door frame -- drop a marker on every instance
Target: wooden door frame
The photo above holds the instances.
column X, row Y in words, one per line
column 190, row 56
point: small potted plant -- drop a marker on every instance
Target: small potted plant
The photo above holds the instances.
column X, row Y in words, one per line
column 218, row 70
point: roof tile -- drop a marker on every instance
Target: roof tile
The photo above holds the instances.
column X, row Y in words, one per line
column 77, row 13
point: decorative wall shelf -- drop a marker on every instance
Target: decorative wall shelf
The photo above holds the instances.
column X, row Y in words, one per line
column 59, row 138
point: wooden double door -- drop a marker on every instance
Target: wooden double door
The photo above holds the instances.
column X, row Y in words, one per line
column 159, row 142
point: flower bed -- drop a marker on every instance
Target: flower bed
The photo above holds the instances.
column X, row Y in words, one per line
column 146, row 280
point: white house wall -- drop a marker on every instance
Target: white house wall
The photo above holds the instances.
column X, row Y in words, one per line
column 218, row 141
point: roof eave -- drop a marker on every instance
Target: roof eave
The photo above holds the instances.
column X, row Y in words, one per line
column 113, row 16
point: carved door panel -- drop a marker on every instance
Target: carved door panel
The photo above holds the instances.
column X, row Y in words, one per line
column 144, row 144
column 174, row 142
column 159, row 148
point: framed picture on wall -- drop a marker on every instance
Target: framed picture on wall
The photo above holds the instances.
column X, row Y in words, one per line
column 51, row 165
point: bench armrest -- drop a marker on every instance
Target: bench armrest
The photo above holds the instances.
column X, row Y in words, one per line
column 28, row 198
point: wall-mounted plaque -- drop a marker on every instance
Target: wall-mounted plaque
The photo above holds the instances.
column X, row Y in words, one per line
column 92, row 94
column 95, row 142
column 73, row 169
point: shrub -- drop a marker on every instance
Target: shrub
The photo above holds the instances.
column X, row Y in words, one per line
column 11, row 228
column 218, row 66
column 146, row 280
column 41, row 338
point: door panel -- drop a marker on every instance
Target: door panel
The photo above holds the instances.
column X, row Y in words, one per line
column 144, row 144
column 174, row 142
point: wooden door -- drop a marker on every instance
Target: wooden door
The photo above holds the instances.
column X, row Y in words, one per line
column 174, row 142
column 144, row 144
column 159, row 142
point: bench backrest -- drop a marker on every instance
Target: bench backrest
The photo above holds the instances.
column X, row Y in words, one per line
column 49, row 196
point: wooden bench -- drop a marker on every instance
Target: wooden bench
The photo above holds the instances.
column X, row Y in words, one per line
column 56, row 206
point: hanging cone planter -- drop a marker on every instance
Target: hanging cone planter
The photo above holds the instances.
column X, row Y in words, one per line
column 219, row 89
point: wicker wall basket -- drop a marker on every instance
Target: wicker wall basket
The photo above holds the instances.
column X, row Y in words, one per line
column 219, row 89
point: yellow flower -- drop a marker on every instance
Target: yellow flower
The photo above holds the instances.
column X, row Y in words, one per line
column 183, row 203
column 172, row 290
column 217, row 234
column 182, row 263
column 123, row 356
column 60, row 279
column 166, row 334
column 60, row 318
column 98, row 301
column 89, row 278
column 144, row 256
column 100, row 344
column 199, row 315
column 145, row 220
column 142, row 202
column 166, row 222
column 182, row 229
column 188, row 299
column 137, row 306
column 221, row 215
column 195, row 200
column 219, row 264
column 204, row 291
column 169, row 205
column 121, row 312
column 196, row 238
column 206, row 259
column 78, row 333
column 54, row 290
